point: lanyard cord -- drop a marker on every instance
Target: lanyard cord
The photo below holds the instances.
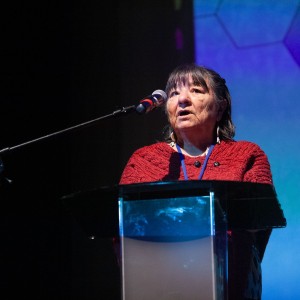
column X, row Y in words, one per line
column 203, row 166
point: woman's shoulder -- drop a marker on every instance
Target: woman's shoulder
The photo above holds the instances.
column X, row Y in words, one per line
column 241, row 146
column 155, row 148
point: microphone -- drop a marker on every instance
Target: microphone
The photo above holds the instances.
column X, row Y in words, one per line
column 158, row 98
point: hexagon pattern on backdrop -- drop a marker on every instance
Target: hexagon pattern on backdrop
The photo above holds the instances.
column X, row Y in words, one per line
column 255, row 23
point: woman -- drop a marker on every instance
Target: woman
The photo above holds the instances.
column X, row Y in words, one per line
column 200, row 145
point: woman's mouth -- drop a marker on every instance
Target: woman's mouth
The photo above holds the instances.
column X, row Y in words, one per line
column 183, row 113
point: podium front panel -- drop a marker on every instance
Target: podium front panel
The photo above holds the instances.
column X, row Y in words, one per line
column 172, row 249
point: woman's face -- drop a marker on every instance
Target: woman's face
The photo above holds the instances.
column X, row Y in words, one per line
column 191, row 107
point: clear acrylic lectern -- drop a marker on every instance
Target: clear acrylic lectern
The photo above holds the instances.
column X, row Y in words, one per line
column 173, row 234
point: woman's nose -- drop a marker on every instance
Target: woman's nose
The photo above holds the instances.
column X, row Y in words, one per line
column 183, row 98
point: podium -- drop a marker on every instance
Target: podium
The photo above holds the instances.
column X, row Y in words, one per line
column 174, row 234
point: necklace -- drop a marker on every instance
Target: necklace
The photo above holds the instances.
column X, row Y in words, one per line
column 203, row 166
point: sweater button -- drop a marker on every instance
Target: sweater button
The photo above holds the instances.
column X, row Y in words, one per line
column 197, row 164
column 216, row 163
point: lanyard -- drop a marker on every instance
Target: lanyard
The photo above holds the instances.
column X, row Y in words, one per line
column 203, row 166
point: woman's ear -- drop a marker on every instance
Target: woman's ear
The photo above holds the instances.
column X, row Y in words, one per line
column 222, row 107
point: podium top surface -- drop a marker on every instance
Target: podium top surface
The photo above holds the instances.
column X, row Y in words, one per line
column 246, row 205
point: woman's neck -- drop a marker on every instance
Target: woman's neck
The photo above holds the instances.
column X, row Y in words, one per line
column 194, row 147
column 193, row 150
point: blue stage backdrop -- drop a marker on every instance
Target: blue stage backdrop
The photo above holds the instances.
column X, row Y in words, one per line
column 255, row 46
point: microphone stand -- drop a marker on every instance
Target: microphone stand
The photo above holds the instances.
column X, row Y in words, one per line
column 4, row 151
column 122, row 111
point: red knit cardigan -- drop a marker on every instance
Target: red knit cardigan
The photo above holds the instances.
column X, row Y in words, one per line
column 229, row 160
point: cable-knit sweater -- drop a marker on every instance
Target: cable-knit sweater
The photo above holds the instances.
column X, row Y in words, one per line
column 235, row 161
column 229, row 161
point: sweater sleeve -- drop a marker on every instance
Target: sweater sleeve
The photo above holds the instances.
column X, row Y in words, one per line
column 259, row 169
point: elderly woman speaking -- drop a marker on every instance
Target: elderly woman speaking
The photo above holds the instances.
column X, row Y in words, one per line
column 199, row 146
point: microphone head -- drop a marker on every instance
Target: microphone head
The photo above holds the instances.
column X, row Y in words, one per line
column 156, row 99
column 160, row 97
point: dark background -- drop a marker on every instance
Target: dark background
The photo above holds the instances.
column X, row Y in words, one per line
column 65, row 63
